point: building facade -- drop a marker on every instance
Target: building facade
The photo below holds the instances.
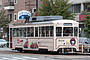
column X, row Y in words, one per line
column 78, row 6
column 0, row 4
column 12, row 7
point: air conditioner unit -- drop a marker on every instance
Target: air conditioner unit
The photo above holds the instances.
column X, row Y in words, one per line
column 33, row 10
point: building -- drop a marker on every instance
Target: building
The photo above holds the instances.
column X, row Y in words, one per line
column 78, row 6
column 12, row 7
column 0, row 4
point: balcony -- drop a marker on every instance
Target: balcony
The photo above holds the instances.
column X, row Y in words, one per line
column 9, row 6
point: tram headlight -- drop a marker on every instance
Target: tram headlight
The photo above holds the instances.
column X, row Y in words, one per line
column 72, row 41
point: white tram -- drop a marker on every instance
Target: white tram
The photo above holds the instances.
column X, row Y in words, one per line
column 56, row 35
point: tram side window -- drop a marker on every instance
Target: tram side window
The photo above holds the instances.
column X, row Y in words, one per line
column 14, row 32
column 43, row 31
column 47, row 31
column 51, row 31
column 20, row 32
column 40, row 31
column 24, row 32
column 36, row 31
column 28, row 31
column 75, row 31
column 31, row 31
column 68, row 31
column 17, row 32
column 58, row 31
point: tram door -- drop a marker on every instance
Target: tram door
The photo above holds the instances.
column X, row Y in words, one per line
column 10, row 39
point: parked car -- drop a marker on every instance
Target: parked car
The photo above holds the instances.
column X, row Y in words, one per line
column 3, row 43
column 84, row 40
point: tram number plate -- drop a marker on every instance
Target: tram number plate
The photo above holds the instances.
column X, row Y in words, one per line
column 60, row 40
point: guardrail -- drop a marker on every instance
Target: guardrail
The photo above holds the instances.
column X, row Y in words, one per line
column 84, row 48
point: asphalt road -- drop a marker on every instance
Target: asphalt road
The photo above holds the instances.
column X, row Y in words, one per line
column 8, row 54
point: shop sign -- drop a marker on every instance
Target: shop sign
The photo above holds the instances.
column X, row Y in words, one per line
column 23, row 14
column 81, row 17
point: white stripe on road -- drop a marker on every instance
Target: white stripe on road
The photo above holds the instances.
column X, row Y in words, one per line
column 5, row 58
column 30, row 58
column 19, row 58
column 24, row 57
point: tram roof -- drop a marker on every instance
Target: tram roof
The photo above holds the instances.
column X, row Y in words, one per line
column 46, row 22
column 54, row 21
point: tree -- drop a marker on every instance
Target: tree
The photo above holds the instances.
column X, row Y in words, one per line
column 55, row 7
column 86, row 22
column 3, row 21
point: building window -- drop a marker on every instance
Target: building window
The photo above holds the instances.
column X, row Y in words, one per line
column 9, row 1
column 0, row 6
column 87, row 7
column 10, row 17
column 15, row 16
column 15, row 1
column 77, row 8
column 71, row 9
column 33, row 10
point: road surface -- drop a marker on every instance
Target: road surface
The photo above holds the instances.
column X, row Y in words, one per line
column 8, row 54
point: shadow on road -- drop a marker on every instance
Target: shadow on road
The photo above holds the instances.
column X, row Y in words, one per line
column 53, row 53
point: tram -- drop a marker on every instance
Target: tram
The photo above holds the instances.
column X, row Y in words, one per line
column 56, row 35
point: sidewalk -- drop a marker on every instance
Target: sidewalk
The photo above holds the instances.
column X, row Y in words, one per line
column 83, row 54
column 5, row 49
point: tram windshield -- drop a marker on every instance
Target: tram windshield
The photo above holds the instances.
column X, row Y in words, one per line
column 68, row 31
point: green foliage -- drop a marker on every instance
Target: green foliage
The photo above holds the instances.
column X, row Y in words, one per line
column 86, row 22
column 55, row 7
column 3, row 20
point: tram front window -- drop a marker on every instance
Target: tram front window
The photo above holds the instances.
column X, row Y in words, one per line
column 75, row 31
column 58, row 31
column 68, row 31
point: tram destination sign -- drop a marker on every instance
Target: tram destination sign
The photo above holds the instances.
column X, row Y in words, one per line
column 67, row 24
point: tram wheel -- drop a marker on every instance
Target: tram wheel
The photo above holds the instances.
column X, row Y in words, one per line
column 59, row 51
column 20, row 49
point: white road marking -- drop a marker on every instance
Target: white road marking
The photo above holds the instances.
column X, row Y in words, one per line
column 30, row 58
column 18, row 58
column 5, row 58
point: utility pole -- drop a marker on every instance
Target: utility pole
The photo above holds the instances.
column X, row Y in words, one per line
column 36, row 4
